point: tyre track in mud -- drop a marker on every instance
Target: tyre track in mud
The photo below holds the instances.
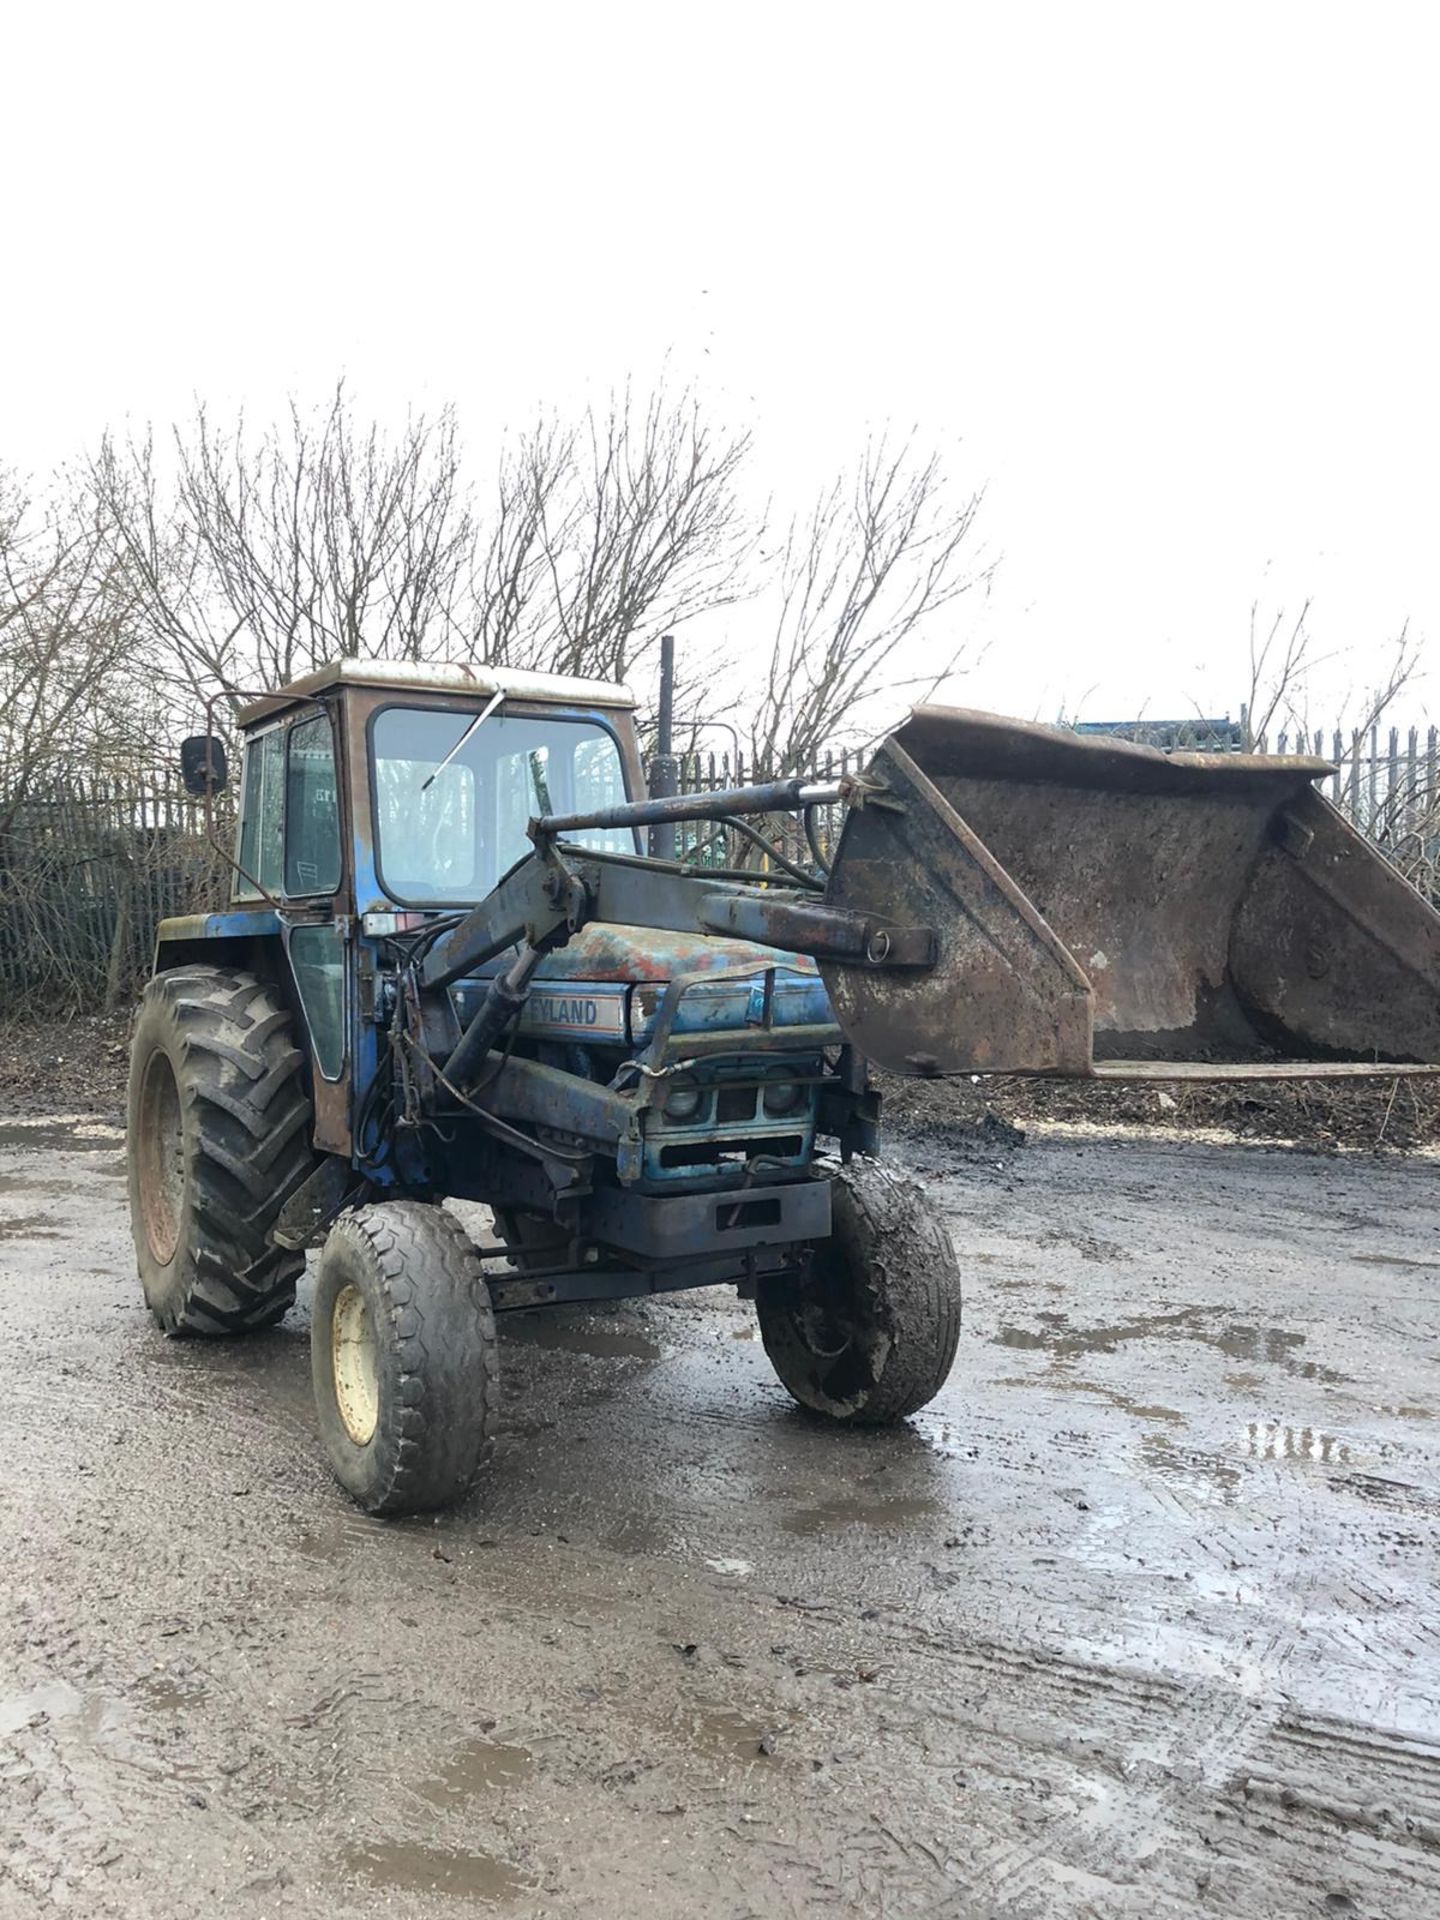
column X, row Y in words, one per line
column 1226, row 1743
column 1214, row 1732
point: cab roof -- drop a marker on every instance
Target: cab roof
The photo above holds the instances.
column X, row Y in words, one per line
column 442, row 677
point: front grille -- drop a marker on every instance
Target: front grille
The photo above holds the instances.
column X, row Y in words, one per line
column 736, row 1104
column 732, row 1125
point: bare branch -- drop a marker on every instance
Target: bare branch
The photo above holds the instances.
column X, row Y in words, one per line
column 864, row 582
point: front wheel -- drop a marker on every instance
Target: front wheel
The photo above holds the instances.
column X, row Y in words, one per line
column 869, row 1334
column 404, row 1357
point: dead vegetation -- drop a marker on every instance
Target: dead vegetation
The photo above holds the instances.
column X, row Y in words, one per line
column 1398, row 1114
column 53, row 1065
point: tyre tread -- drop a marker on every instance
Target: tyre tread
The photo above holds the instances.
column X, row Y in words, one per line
column 889, row 1245
column 442, row 1327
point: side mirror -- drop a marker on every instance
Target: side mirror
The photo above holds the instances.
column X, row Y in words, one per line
column 203, row 767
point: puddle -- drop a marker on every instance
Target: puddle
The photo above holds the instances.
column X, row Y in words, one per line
column 100, row 1721
column 1278, row 1348
column 1188, row 1464
column 1263, row 1441
column 555, row 1335
column 53, row 1700
column 723, row 1731
column 80, row 1134
column 30, row 1226
column 480, row 1766
column 169, row 1693
column 338, row 1539
column 1088, row 1245
column 1229, row 1587
column 1138, row 1409
column 634, row 1533
column 408, row 1867
column 24, row 1183
column 830, row 1516
column 1238, row 1341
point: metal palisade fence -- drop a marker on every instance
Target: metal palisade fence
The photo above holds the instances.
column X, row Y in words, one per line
column 88, row 869
column 1386, row 783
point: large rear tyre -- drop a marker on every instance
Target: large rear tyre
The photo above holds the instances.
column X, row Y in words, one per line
column 869, row 1335
column 404, row 1357
column 218, row 1140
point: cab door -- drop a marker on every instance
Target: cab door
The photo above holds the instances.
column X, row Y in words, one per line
column 291, row 845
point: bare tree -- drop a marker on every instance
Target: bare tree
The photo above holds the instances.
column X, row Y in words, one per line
column 864, row 579
column 193, row 640
column 1283, row 662
column 1282, row 658
column 70, row 693
column 609, row 532
column 510, row 623
column 258, row 558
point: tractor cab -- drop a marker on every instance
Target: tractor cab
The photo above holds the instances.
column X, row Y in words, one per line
column 376, row 796
column 389, row 786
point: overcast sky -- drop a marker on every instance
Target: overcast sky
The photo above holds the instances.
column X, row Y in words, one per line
column 1162, row 278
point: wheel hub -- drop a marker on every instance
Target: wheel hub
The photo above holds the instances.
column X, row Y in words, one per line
column 356, row 1364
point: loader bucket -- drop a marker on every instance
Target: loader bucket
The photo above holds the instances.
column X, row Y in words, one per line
column 1108, row 910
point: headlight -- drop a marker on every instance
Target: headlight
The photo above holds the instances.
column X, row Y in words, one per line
column 683, row 1099
column 783, row 1096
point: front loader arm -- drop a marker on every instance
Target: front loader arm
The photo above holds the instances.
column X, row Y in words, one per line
column 561, row 887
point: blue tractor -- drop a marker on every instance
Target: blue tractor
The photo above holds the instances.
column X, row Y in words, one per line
column 450, row 969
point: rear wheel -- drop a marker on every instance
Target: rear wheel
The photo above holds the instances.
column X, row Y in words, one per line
column 869, row 1334
column 404, row 1358
column 218, row 1138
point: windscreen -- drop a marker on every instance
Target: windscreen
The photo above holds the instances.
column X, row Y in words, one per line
column 451, row 810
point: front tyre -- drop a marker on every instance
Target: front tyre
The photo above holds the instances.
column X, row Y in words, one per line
column 869, row 1334
column 404, row 1357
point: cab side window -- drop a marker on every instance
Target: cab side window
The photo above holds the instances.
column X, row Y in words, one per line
column 262, row 814
column 312, row 809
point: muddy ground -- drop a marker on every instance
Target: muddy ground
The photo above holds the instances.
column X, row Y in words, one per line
column 1140, row 1619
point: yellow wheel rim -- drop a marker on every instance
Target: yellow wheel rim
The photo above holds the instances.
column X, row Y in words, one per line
column 356, row 1362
